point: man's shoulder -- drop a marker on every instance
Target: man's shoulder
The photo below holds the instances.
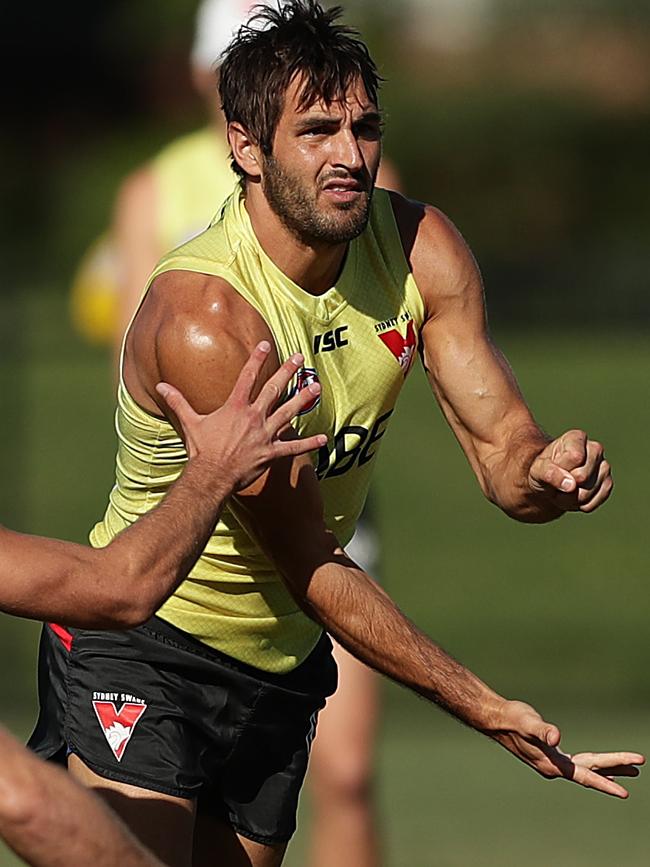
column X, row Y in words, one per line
column 421, row 223
column 195, row 331
column 437, row 253
column 179, row 292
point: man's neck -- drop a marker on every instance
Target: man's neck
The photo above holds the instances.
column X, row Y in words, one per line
column 313, row 267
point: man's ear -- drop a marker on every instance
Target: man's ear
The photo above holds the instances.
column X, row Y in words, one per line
column 246, row 152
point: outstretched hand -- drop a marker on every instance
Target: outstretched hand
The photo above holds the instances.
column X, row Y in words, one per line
column 242, row 437
column 522, row 731
column 572, row 472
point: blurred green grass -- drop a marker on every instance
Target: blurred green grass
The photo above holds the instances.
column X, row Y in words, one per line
column 555, row 615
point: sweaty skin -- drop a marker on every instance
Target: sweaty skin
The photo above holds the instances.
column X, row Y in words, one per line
column 516, row 465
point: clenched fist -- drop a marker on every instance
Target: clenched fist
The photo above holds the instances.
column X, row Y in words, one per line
column 572, row 472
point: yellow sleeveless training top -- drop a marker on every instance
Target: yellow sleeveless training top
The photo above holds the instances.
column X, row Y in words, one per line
column 359, row 339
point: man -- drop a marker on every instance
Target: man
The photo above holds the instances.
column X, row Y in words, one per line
column 159, row 206
column 304, row 256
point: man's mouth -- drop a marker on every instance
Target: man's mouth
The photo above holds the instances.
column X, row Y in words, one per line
column 343, row 189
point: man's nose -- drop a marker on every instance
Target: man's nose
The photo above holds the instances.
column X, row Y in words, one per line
column 348, row 153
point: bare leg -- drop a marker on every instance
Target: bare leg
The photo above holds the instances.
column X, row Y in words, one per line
column 340, row 771
column 163, row 823
column 217, row 845
column 51, row 821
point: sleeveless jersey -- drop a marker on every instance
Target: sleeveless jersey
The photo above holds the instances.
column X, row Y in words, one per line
column 359, row 339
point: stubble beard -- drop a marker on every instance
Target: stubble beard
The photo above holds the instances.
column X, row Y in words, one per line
column 297, row 207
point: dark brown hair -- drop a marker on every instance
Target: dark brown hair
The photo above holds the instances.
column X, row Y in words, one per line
column 296, row 39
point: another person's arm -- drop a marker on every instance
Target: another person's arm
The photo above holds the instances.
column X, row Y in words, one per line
column 528, row 474
column 124, row 583
column 51, row 821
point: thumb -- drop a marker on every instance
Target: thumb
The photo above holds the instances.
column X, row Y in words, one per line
column 536, row 727
column 550, row 735
column 177, row 403
column 545, row 472
column 571, row 451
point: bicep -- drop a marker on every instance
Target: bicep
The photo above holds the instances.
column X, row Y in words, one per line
column 470, row 377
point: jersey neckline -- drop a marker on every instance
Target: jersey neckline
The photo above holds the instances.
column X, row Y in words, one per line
column 323, row 308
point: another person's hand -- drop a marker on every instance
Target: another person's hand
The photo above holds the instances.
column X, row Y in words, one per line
column 573, row 472
column 522, row 731
column 242, row 437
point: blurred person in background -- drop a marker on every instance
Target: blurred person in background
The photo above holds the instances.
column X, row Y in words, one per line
column 161, row 205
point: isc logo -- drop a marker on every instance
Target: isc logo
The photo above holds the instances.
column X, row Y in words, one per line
column 330, row 340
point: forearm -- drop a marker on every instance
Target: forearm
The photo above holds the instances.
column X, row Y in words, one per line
column 364, row 620
column 122, row 584
column 50, row 821
column 158, row 551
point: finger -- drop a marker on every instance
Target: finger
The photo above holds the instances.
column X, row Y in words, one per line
column 591, row 780
column 587, row 474
column 283, row 448
column 599, row 497
column 243, row 387
column 591, row 486
column 548, row 473
column 291, row 408
column 608, row 761
column 177, row 403
column 570, row 450
column 618, row 771
column 535, row 727
column 276, row 384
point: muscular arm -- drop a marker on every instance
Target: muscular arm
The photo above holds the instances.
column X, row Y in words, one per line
column 119, row 586
column 527, row 474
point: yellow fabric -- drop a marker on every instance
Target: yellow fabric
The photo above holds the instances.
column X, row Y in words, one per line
column 234, row 600
column 192, row 177
column 93, row 295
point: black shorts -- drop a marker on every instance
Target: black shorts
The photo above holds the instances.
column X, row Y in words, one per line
column 155, row 708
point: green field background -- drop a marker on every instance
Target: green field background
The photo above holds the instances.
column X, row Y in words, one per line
column 555, row 615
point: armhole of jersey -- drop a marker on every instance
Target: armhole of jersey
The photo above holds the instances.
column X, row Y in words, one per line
column 197, row 266
column 392, row 242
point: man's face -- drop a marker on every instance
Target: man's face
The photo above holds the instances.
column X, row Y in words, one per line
column 321, row 174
